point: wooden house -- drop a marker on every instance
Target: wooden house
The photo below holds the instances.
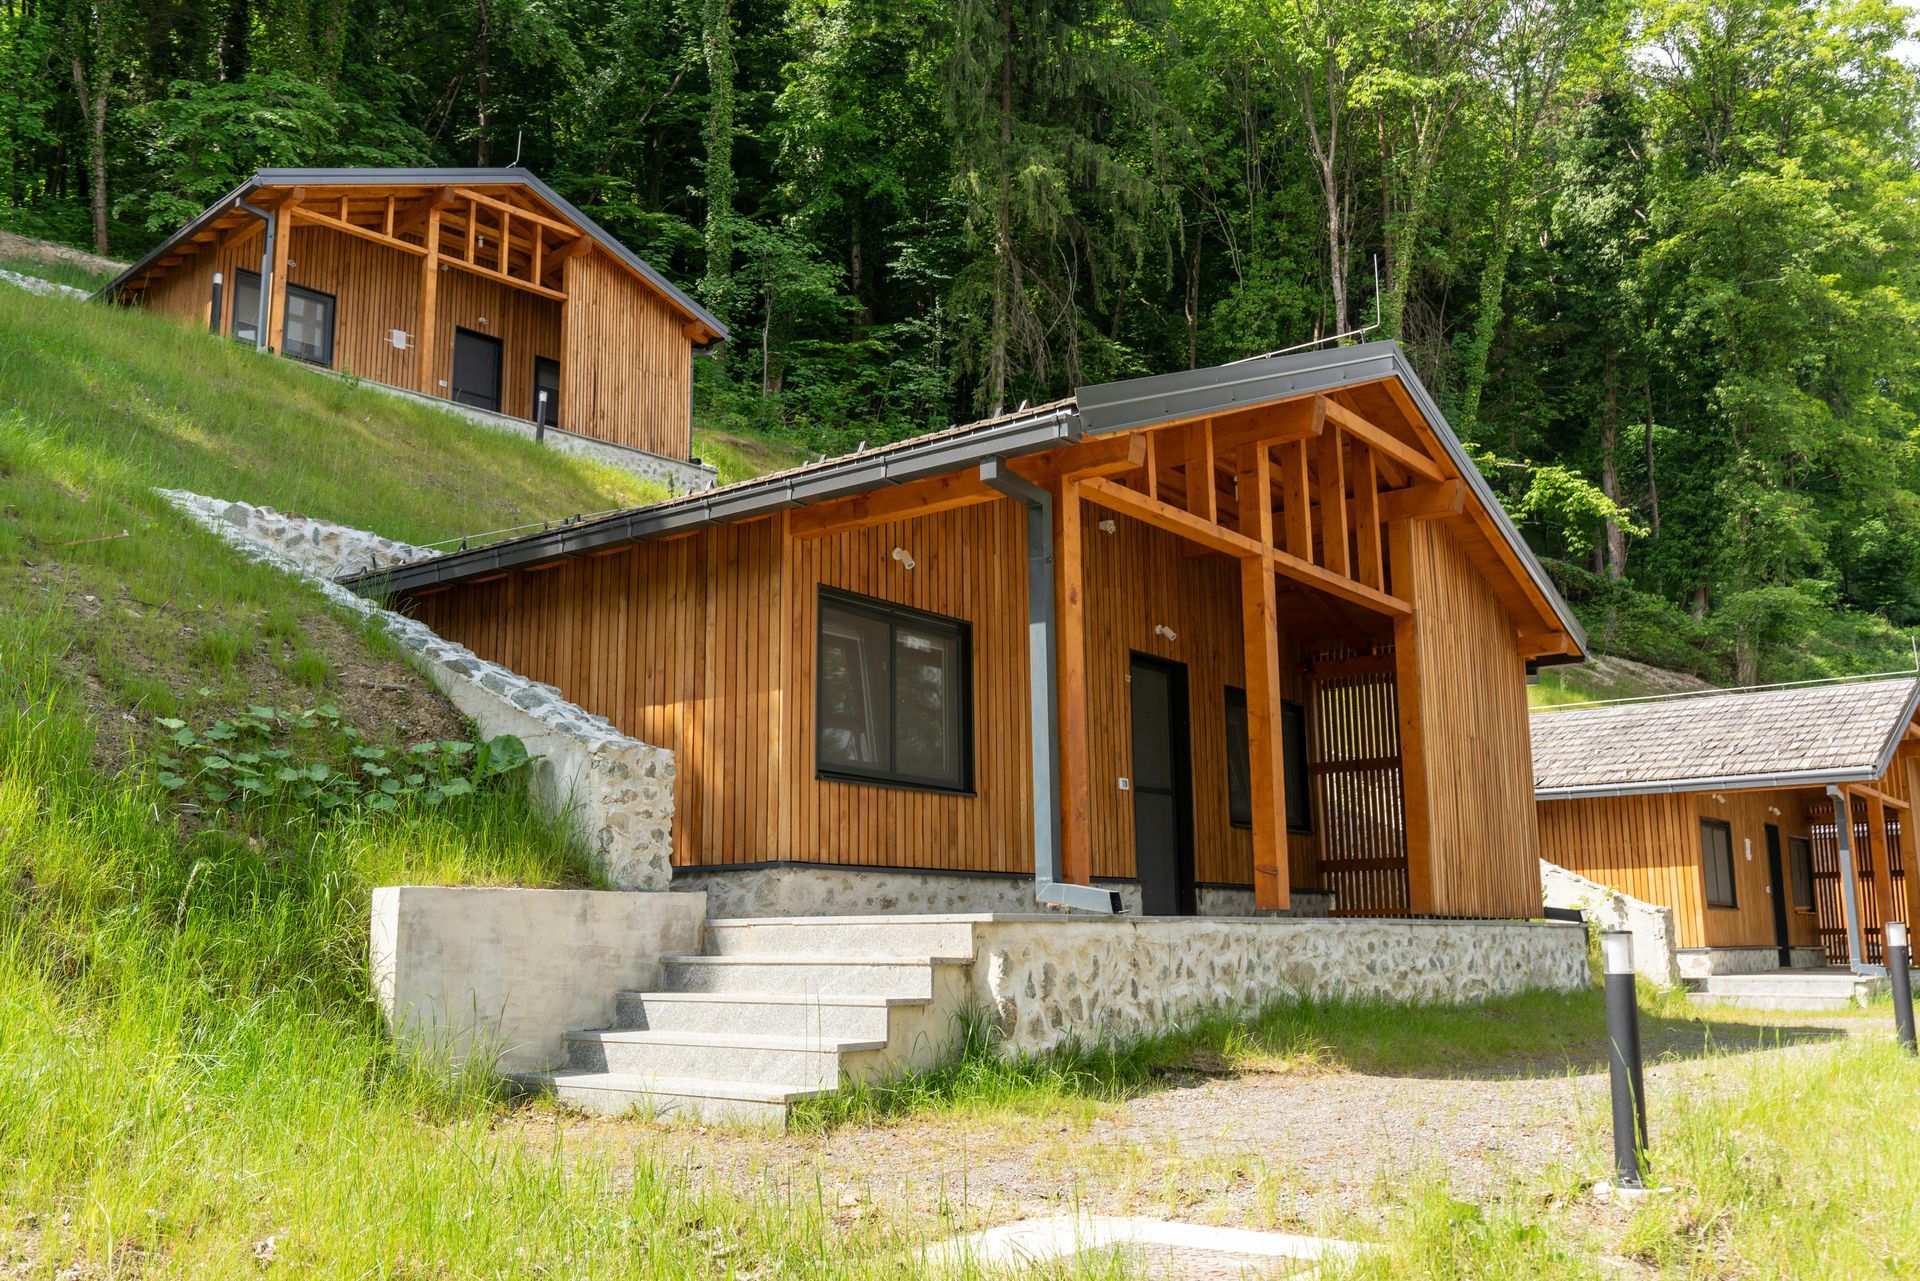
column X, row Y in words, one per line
column 1721, row 806
column 484, row 287
column 1223, row 640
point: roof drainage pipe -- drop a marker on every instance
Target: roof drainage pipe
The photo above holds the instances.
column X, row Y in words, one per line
column 1049, row 887
column 1849, row 888
column 266, row 271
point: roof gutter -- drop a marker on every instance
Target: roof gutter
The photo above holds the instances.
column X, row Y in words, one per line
column 859, row 474
column 266, row 270
column 1711, row 783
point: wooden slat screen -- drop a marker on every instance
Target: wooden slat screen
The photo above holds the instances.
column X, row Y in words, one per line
column 1829, row 906
column 1354, row 764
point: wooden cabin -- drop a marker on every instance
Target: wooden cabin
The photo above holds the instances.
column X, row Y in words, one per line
column 484, row 287
column 1223, row 640
column 1721, row 806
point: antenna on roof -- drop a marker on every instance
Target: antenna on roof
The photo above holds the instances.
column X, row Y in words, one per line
column 520, row 134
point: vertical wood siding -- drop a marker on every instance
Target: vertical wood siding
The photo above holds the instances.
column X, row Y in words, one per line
column 627, row 375
column 1473, row 717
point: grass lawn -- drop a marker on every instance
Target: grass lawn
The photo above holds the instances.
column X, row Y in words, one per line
column 743, row 457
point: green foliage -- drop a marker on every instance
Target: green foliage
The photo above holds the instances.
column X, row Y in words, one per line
column 268, row 761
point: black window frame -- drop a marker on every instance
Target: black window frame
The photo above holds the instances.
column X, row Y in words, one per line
column 892, row 615
column 242, row 276
column 333, row 325
column 1732, row 901
column 1293, row 734
column 1799, row 861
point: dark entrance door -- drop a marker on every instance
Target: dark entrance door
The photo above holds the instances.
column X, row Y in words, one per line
column 1162, row 787
column 546, row 391
column 1777, row 891
column 476, row 370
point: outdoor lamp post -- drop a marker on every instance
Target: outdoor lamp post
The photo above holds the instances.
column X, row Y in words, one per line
column 1902, row 983
column 1623, row 1060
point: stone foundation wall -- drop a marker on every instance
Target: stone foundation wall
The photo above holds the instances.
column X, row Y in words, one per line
column 1705, row 962
column 616, row 791
column 793, row 890
column 1048, row 982
column 1654, row 952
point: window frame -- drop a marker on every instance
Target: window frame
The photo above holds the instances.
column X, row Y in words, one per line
column 1290, row 710
column 243, row 276
column 1801, row 845
column 333, row 325
column 893, row 615
column 1732, row 903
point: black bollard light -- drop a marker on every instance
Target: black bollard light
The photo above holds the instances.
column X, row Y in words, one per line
column 1902, row 983
column 1623, row 1061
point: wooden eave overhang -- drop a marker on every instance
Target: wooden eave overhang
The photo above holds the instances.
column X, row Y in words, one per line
column 1357, row 394
column 541, row 228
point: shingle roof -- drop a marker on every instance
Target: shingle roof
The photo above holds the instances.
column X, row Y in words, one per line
column 1802, row 736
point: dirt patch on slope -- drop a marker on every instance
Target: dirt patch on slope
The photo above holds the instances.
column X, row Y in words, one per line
column 16, row 246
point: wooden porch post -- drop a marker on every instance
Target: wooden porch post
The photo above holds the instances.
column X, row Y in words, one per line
column 1415, row 794
column 423, row 340
column 277, row 278
column 1266, row 755
column 1882, row 865
column 1076, row 850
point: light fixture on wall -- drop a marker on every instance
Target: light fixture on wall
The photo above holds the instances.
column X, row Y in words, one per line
column 1774, row 810
column 1161, row 629
column 1108, row 526
column 482, row 319
column 1719, row 799
column 904, row 556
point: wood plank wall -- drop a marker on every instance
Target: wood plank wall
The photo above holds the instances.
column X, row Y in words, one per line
column 628, row 372
column 1473, row 713
column 625, row 365
column 705, row 645
column 1750, row 922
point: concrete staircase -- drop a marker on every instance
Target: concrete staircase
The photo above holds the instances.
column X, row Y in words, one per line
column 773, row 1011
column 1832, row 989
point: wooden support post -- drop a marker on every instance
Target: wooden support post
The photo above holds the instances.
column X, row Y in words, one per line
column 1882, row 865
column 1296, row 505
column 1416, row 794
column 1200, row 489
column 1266, row 756
column 1150, row 481
column 1333, row 501
column 1076, row 848
column 277, row 282
column 424, row 337
column 1366, row 519
column 506, row 244
column 1256, row 494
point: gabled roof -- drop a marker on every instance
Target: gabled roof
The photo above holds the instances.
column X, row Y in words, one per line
column 1794, row 736
column 267, row 179
column 1091, row 411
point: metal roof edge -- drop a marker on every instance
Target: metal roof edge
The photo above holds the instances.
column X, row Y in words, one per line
column 856, row 474
column 1710, row 783
column 1138, row 402
column 1899, row 730
column 223, row 205
column 480, row 176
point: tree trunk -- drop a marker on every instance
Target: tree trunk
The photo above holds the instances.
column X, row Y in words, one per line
column 1609, row 466
column 717, row 37
column 93, row 109
column 1193, row 302
column 1698, row 607
column 1002, row 224
column 1653, row 486
column 483, row 85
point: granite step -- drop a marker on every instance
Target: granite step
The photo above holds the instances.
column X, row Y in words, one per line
column 702, row 1099
column 775, row 1061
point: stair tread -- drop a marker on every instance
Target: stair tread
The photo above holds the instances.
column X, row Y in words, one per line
column 778, row 998
column 805, row 958
column 930, row 918
column 689, row 1086
column 727, row 1040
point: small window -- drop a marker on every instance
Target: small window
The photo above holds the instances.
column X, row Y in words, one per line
column 893, row 696
column 308, row 330
column 1800, row 865
column 1716, row 855
column 1293, row 738
column 246, row 306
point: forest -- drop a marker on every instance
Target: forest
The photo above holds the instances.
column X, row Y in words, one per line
column 1655, row 257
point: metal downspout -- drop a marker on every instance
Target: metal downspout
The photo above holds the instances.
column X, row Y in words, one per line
column 1044, row 698
column 266, row 271
column 1843, row 838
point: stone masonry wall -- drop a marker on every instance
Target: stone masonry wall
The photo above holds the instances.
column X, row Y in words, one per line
column 1654, row 956
column 616, row 791
column 1047, row 982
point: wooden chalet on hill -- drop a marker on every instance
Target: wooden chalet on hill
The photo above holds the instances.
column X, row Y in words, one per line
column 1721, row 806
column 480, row 286
column 1220, row 638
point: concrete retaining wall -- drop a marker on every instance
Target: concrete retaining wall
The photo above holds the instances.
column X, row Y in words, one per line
column 1706, row 962
column 1047, row 982
column 505, row 973
column 614, row 790
column 798, row 890
column 1654, row 940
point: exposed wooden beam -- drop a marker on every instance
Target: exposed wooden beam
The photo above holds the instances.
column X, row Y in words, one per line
column 1874, row 793
column 1424, row 502
column 420, row 214
column 1328, row 669
column 1296, row 500
column 1542, row 643
column 277, row 284
column 1131, row 502
column 901, row 502
column 501, row 206
column 1333, row 503
column 1382, row 441
column 1346, row 589
column 1201, row 495
column 1076, row 826
column 1265, row 424
column 313, row 218
column 1150, row 478
column 424, row 337
column 1266, row 757
column 516, row 281
column 1371, row 568
column 1113, row 455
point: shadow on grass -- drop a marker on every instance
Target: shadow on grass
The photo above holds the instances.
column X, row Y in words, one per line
column 1536, row 1034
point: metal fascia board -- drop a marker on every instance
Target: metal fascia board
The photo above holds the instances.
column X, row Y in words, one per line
column 1711, row 783
column 1141, row 402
